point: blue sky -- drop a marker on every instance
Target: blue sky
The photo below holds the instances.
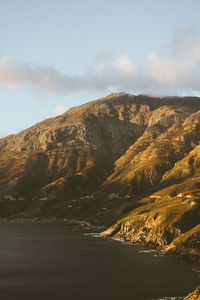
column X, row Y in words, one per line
column 58, row 54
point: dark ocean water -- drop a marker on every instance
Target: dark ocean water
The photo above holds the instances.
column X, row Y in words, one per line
column 45, row 261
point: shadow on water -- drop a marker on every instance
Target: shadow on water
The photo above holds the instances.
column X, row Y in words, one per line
column 52, row 262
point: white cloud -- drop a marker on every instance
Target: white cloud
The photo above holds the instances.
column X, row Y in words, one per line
column 176, row 73
column 59, row 109
column 181, row 68
column 124, row 64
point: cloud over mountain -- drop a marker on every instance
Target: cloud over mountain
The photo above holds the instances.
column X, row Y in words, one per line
column 176, row 72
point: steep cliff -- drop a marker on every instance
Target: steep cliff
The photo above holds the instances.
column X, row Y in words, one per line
column 131, row 161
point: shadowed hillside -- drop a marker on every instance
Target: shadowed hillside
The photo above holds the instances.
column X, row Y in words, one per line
column 131, row 161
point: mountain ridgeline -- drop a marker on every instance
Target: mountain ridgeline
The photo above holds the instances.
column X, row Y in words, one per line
column 129, row 163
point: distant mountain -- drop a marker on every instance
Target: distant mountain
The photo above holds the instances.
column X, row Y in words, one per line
column 131, row 161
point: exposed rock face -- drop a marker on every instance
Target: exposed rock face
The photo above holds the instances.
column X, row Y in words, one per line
column 170, row 224
column 194, row 296
column 129, row 160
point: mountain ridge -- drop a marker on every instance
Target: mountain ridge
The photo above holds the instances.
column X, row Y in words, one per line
column 131, row 161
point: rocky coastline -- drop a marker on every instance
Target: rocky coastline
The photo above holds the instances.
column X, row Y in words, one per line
column 127, row 163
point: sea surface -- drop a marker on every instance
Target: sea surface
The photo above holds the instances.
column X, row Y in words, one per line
column 47, row 261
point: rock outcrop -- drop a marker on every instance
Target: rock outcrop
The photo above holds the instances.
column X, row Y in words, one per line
column 131, row 161
column 194, row 296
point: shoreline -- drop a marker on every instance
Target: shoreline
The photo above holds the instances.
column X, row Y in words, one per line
column 160, row 255
column 78, row 225
column 75, row 224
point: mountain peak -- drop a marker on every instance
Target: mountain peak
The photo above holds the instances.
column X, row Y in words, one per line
column 130, row 159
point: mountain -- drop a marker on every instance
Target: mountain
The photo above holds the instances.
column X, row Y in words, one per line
column 194, row 296
column 129, row 163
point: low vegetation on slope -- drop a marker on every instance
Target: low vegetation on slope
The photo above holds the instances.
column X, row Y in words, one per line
column 132, row 161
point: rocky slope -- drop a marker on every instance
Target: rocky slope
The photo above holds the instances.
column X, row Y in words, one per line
column 194, row 296
column 131, row 161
